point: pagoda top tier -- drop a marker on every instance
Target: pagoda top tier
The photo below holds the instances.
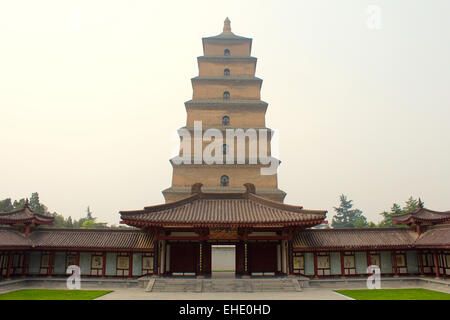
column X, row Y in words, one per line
column 227, row 43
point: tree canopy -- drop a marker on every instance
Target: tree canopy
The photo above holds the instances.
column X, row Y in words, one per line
column 346, row 217
column 89, row 222
column 410, row 205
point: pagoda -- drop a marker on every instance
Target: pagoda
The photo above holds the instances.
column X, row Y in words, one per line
column 226, row 96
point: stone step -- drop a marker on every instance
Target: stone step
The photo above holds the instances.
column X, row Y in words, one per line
column 223, row 285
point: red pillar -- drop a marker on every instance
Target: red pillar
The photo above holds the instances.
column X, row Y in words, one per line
column 420, row 262
column 342, row 264
column 130, row 265
column 8, row 271
column 78, row 258
column 436, row 264
column 315, row 265
column 155, row 257
column 394, row 260
column 24, row 265
column 50, row 264
column 369, row 261
column 291, row 258
column 104, row 264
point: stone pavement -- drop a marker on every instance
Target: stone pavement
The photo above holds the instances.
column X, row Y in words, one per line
column 306, row 294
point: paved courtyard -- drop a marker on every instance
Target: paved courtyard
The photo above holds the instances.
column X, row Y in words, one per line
column 320, row 291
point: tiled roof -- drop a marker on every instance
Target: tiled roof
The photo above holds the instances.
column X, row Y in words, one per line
column 25, row 215
column 223, row 209
column 11, row 238
column 92, row 238
column 436, row 237
column 364, row 238
column 422, row 215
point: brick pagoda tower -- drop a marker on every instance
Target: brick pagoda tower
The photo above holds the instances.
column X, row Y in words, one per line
column 226, row 95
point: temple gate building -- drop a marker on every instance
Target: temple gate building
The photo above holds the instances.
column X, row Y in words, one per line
column 224, row 204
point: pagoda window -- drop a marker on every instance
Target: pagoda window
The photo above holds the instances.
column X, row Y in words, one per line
column 123, row 264
column 17, row 263
column 349, row 263
column 3, row 264
column 147, row 263
column 375, row 258
column 224, row 181
column 428, row 262
column 45, row 263
column 298, row 262
column 71, row 259
column 400, row 257
column 323, row 264
column 446, row 262
column 226, row 52
column 226, row 95
column 226, row 72
column 225, row 120
column 97, row 264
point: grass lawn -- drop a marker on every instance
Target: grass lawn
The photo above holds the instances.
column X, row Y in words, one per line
column 42, row 294
column 395, row 294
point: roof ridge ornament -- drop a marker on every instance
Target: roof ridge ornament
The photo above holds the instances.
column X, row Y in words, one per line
column 227, row 26
column 250, row 188
column 197, row 188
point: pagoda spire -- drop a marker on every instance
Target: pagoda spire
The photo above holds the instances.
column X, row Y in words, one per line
column 227, row 26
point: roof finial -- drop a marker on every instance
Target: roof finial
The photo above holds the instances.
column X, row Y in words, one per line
column 227, row 26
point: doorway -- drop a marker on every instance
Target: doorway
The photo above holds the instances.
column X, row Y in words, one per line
column 223, row 261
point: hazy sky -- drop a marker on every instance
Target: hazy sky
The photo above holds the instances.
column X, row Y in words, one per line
column 92, row 92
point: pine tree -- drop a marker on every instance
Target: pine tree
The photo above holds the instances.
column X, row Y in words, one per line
column 89, row 214
column 6, row 205
column 410, row 205
column 346, row 217
column 387, row 221
column 69, row 223
column 36, row 205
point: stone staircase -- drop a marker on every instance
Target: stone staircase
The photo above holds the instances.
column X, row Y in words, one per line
column 223, row 285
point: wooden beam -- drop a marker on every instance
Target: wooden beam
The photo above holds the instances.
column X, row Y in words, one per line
column 436, row 264
column 419, row 252
column 8, row 270
column 369, row 261
column 104, row 264
column 130, row 265
column 50, row 265
column 24, row 263
column 155, row 257
column 394, row 261
column 315, row 265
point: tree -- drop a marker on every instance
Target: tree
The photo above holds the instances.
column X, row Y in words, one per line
column 69, row 222
column 410, row 205
column 36, row 205
column 346, row 217
column 6, row 205
column 387, row 216
column 89, row 214
column 19, row 204
column 91, row 224
column 89, row 221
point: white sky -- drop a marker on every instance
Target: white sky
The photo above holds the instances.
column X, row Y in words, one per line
column 91, row 93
